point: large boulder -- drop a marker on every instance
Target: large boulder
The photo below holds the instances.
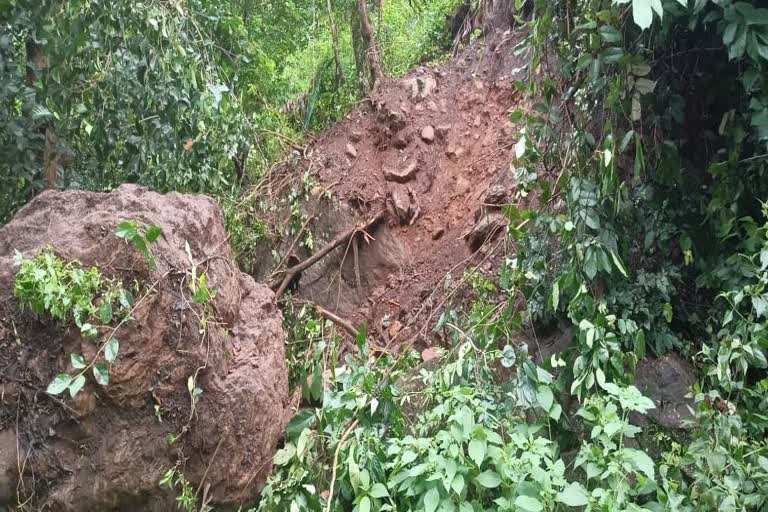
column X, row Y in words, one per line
column 108, row 448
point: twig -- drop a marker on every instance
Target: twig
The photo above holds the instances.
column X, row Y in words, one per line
column 336, row 462
column 210, row 462
column 358, row 281
column 340, row 239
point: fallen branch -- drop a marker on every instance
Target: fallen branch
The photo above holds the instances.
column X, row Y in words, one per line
column 333, row 317
column 340, row 239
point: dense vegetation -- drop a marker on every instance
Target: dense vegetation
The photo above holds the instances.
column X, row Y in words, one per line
column 645, row 149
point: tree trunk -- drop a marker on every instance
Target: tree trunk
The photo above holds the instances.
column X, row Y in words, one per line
column 37, row 63
column 335, row 36
column 371, row 52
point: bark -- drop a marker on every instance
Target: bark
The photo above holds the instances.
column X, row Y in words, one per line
column 335, row 37
column 371, row 52
column 37, row 63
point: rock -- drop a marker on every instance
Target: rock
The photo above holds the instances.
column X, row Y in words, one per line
column 355, row 136
column 402, row 139
column 420, row 87
column 442, row 131
column 454, row 152
column 438, row 233
column 401, row 175
column 402, row 203
column 244, row 381
column 666, row 380
column 394, row 328
column 430, row 354
column 495, row 195
column 9, row 472
column 351, row 151
column 428, row 133
column 462, row 185
column 485, row 229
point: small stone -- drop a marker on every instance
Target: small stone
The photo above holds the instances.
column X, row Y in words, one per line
column 462, row 185
column 496, row 194
column 442, row 131
column 402, row 204
column 428, row 133
column 430, row 354
column 394, row 328
column 355, row 136
column 454, row 152
column 438, row 233
column 351, row 151
column 477, row 122
column 401, row 175
column 402, row 139
column 485, row 229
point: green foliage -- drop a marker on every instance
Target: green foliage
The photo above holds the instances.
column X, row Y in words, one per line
column 66, row 292
column 141, row 239
column 63, row 290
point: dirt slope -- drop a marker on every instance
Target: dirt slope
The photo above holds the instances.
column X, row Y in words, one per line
column 432, row 148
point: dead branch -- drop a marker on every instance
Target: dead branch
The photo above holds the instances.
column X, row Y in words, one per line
column 337, row 241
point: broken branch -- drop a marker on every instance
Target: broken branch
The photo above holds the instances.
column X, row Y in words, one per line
column 337, row 241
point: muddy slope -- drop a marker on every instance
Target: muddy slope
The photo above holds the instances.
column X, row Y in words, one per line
column 434, row 149
column 107, row 449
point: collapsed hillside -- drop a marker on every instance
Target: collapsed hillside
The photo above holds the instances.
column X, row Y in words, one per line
column 433, row 152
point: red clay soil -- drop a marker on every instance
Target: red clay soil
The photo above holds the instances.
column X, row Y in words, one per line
column 434, row 148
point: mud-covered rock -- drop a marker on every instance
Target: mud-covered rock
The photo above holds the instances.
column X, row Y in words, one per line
column 108, row 449
column 485, row 229
column 666, row 380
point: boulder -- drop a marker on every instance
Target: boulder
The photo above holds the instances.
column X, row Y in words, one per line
column 109, row 447
column 666, row 380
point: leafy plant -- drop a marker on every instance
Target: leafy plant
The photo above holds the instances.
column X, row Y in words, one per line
column 142, row 239
column 66, row 292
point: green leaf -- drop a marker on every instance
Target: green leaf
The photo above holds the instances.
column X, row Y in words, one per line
column 545, row 397
column 641, row 462
column 458, row 484
column 284, row 455
column 488, row 479
column 555, row 295
column 529, row 504
column 431, row 500
column 152, row 233
column 667, row 312
column 365, row 504
column 379, row 490
column 477, row 451
column 78, row 361
column 111, row 349
column 59, row 384
column 300, row 421
column 618, row 265
column 609, row 34
column 76, row 385
column 126, row 230
column 101, row 373
column 573, row 495
column 88, row 330
column 126, row 298
column 105, row 312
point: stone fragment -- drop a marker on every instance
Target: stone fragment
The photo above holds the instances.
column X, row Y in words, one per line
column 428, row 133
column 442, row 131
column 351, row 151
column 401, row 175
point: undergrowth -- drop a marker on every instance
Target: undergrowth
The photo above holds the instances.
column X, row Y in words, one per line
column 645, row 151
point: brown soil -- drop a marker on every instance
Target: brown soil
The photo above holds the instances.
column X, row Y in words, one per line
column 434, row 148
column 106, row 449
